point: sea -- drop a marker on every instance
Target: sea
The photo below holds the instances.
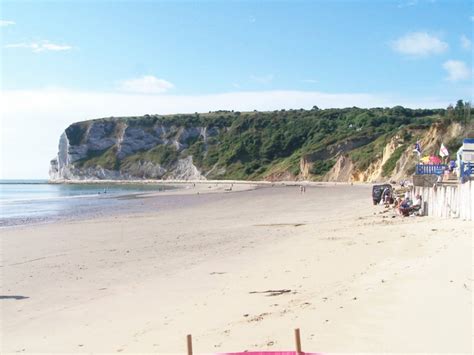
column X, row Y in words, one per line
column 33, row 201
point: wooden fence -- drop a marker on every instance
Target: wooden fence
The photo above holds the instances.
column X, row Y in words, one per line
column 448, row 201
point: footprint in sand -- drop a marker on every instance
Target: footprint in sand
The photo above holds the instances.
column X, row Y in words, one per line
column 258, row 318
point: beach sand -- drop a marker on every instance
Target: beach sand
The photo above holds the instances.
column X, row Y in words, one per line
column 239, row 271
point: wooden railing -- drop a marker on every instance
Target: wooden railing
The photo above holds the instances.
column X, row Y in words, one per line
column 430, row 169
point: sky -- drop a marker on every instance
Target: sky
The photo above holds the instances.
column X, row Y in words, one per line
column 67, row 61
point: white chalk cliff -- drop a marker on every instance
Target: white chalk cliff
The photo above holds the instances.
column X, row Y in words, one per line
column 89, row 150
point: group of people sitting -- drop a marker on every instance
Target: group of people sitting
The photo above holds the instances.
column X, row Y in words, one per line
column 407, row 206
column 404, row 206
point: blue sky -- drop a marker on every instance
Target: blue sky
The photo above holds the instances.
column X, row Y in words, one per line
column 64, row 61
column 220, row 46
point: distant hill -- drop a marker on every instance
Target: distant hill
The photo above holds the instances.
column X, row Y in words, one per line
column 350, row 144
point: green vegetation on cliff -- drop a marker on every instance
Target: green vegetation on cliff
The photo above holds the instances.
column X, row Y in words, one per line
column 389, row 165
column 259, row 145
column 106, row 159
column 162, row 154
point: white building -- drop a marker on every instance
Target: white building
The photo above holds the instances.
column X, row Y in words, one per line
column 465, row 154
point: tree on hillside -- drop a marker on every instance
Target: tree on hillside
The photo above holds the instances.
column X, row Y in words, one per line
column 467, row 112
column 449, row 114
column 459, row 110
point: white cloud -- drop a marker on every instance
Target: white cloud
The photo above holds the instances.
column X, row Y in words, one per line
column 147, row 84
column 457, row 70
column 263, row 79
column 5, row 23
column 465, row 42
column 411, row 3
column 419, row 44
column 407, row 4
column 40, row 46
column 48, row 112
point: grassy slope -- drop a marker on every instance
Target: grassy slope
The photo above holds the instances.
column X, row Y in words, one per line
column 253, row 145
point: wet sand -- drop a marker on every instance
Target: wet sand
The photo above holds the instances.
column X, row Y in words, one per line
column 60, row 209
column 240, row 271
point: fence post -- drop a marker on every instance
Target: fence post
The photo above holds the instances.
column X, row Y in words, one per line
column 189, row 341
column 298, row 341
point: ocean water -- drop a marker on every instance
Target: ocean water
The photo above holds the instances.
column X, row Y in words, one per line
column 24, row 201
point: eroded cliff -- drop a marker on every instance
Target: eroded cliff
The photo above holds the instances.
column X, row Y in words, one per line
column 332, row 145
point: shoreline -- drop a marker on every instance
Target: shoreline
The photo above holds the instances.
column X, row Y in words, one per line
column 219, row 182
column 128, row 203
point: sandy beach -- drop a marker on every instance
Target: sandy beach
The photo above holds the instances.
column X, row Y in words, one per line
column 239, row 271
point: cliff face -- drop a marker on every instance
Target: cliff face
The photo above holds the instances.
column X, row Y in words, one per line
column 93, row 150
column 430, row 140
column 329, row 145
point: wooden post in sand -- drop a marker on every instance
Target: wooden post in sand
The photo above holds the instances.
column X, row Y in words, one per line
column 298, row 341
column 190, row 344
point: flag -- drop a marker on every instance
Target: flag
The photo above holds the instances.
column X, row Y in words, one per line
column 443, row 151
column 417, row 148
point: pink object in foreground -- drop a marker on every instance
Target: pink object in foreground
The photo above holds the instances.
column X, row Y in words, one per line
column 269, row 353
